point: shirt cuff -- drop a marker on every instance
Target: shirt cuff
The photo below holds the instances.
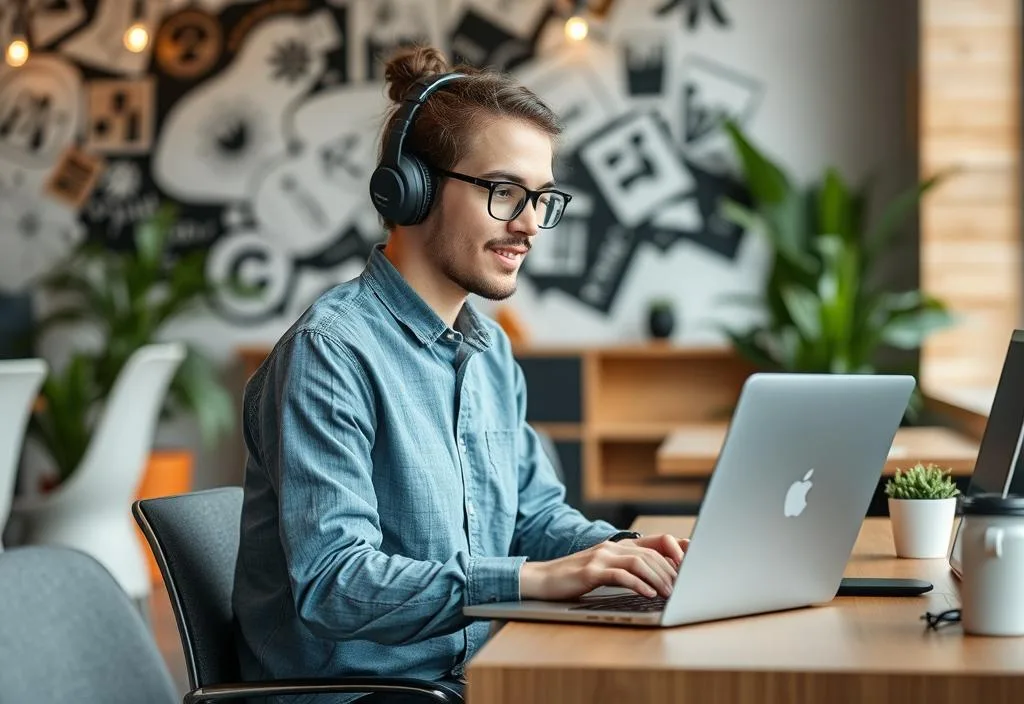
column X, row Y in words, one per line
column 493, row 579
column 596, row 532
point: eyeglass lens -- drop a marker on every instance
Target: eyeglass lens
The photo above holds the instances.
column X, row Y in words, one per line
column 508, row 200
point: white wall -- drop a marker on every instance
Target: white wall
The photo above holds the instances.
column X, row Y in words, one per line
column 834, row 85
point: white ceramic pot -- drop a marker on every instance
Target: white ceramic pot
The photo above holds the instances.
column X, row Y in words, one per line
column 921, row 528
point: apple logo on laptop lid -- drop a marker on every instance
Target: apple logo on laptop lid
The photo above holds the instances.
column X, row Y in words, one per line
column 796, row 496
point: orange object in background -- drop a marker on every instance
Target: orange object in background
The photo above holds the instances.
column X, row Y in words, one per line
column 167, row 472
column 512, row 324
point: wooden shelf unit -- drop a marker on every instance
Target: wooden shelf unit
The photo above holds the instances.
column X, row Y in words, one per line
column 634, row 397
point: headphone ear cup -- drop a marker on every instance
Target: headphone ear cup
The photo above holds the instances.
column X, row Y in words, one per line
column 429, row 186
column 419, row 180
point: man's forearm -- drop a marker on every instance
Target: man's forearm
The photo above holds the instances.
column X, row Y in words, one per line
column 391, row 599
column 557, row 531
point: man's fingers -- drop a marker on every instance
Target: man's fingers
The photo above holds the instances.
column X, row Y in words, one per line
column 664, row 570
column 617, row 577
column 668, row 546
column 661, row 564
column 636, row 563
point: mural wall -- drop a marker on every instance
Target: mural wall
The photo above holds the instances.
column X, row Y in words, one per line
column 261, row 120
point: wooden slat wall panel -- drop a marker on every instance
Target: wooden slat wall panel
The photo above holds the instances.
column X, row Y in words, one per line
column 970, row 256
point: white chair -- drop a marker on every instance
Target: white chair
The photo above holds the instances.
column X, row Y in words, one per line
column 91, row 509
column 20, row 380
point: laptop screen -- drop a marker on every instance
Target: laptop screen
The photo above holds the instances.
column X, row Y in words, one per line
column 999, row 453
column 999, row 444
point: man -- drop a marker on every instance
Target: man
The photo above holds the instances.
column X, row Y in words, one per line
column 392, row 478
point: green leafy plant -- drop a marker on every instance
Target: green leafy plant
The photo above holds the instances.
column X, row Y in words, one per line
column 921, row 482
column 128, row 296
column 823, row 313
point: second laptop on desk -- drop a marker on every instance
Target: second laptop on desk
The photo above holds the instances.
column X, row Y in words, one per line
column 790, row 489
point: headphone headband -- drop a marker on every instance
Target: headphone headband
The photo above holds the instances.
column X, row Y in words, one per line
column 402, row 185
column 414, row 98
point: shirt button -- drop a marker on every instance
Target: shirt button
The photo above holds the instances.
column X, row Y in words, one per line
column 469, row 508
column 450, row 336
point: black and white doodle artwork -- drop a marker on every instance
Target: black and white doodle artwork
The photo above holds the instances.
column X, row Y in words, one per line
column 695, row 12
column 261, row 119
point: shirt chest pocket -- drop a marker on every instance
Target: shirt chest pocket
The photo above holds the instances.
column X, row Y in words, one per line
column 501, row 478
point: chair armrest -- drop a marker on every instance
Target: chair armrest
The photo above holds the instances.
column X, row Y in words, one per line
column 429, row 691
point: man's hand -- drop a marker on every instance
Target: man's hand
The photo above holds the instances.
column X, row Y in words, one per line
column 647, row 566
column 671, row 547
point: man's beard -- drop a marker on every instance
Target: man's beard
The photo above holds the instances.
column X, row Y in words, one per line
column 443, row 250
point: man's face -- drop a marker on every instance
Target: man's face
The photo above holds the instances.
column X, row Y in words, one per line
column 478, row 253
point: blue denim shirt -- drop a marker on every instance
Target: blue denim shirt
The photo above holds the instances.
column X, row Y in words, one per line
column 391, row 480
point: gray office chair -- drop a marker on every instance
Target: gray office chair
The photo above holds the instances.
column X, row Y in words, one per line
column 70, row 635
column 194, row 538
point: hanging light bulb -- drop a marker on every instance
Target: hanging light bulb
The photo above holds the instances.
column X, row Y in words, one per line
column 576, row 28
column 136, row 37
column 17, row 50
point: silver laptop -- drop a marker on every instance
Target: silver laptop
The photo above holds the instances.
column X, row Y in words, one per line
column 790, row 489
column 999, row 452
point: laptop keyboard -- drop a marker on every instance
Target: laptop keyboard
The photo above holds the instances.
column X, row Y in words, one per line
column 626, row 602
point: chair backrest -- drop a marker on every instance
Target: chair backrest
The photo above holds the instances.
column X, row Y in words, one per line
column 111, row 469
column 20, row 380
column 194, row 538
column 68, row 633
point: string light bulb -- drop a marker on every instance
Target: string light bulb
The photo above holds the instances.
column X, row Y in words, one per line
column 136, row 37
column 576, row 28
column 17, row 51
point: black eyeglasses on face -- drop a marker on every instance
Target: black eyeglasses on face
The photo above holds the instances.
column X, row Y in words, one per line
column 506, row 199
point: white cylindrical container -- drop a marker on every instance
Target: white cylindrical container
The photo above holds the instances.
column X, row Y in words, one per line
column 992, row 547
column 921, row 528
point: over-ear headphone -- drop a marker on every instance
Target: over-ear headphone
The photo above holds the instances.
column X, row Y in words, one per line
column 402, row 186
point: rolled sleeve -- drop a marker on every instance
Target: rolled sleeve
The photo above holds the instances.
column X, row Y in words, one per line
column 493, row 579
column 597, row 532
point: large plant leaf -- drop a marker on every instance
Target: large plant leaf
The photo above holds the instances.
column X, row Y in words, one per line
column 896, row 213
column 197, row 389
column 839, row 292
column 804, row 310
column 767, row 182
column 750, row 348
column 789, row 229
column 152, row 237
column 835, row 207
column 63, row 425
column 909, row 330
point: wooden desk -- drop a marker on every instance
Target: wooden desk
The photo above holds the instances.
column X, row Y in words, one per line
column 691, row 451
column 852, row 650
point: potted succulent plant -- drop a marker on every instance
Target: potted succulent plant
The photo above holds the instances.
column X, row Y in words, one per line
column 922, row 504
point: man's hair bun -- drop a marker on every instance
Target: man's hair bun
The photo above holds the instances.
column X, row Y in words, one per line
column 409, row 65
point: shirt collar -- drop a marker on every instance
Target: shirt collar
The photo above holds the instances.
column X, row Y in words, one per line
column 412, row 311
